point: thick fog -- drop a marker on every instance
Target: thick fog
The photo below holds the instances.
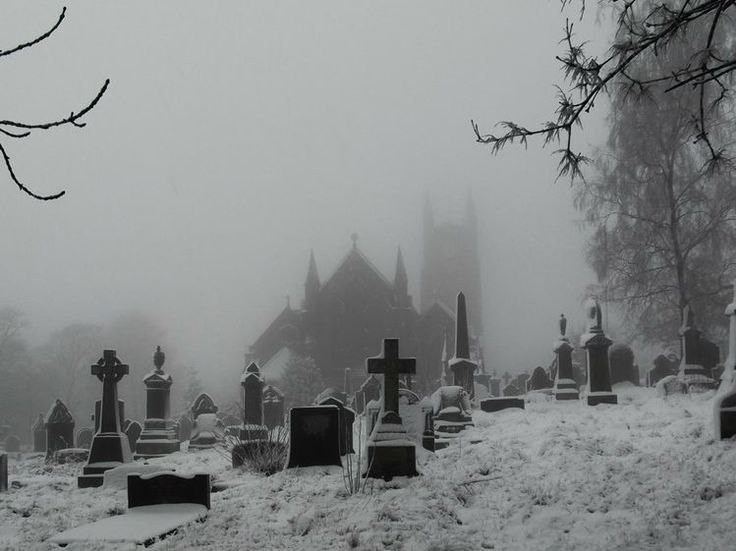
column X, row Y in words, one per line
column 236, row 137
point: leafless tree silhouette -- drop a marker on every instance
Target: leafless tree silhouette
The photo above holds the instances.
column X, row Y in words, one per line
column 17, row 129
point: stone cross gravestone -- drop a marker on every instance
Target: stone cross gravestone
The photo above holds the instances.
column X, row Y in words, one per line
column 39, row 434
column 59, row 428
column 110, row 446
column 596, row 346
column 565, row 387
column 97, row 415
column 314, row 436
column 390, row 452
column 462, row 367
column 159, row 437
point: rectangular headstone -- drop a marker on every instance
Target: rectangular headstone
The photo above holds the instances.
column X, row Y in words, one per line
column 159, row 488
column 497, row 404
column 314, row 436
column 3, row 472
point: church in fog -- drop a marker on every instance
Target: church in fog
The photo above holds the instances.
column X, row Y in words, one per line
column 344, row 318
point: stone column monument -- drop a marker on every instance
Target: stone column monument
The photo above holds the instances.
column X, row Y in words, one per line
column 461, row 365
column 110, row 446
column 253, row 427
column 565, row 386
column 159, row 436
column 596, row 346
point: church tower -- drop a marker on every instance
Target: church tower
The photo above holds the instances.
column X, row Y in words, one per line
column 450, row 263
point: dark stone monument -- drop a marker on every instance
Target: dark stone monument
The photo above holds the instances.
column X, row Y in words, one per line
column 390, row 452
column 206, row 424
column 121, row 414
column 565, row 386
column 497, row 404
column 39, row 434
column 347, row 418
column 621, row 362
column 133, row 432
column 461, row 365
column 369, row 390
column 3, row 472
column 110, row 446
column 596, row 346
column 12, row 444
column 159, row 437
column 59, row 428
column 725, row 402
column 314, row 436
column 451, row 414
column 663, row 367
column 273, row 407
column 84, row 438
column 164, row 488
column 539, row 380
column 252, row 383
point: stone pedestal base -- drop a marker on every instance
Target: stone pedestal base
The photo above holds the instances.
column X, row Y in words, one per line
column 157, row 439
column 109, row 449
column 390, row 452
column 497, row 404
column 602, row 398
column 566, row 394
column 725, row 410
column 428, row 441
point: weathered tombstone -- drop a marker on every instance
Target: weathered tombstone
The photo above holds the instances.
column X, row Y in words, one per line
column 273, row 407
column 231, row 421
column 565, row 386
column 206, row 424
column 452, row 414
column 461, row 365
column 596, row 346
column 252, row 383
column 663, row 367
column 110, row 447
column 693, row 374
column 3, row 472
column 12, row 443
column 159, row 437
column 84, row 438
column 520, row 382
column 429, row 438
column 492, row 405
column 314, row 436
column 621, row 362
column 184, row 428
column 347, row 418
column 539, row 380
column 133, row 432
column 724, row 406
column 59, row 428
column 390, row 452
column 372, row 414
column 369, row 390
column 494, row 386
column 121, row 414
column 511, row 390
column 331, row 392
column 39, row 434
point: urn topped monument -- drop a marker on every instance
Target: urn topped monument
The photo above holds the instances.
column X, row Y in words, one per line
column 565, row 387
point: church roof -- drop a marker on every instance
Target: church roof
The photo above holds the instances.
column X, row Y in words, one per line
column 287, row 316
column 356, row 258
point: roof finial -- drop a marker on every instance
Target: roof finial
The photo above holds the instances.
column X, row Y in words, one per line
column 354, row 237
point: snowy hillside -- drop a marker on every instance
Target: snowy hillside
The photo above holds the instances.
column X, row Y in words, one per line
column 646, row 474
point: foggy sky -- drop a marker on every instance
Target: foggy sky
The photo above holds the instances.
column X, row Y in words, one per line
column 237, row 136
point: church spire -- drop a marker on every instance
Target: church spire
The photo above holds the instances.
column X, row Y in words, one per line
column 401, row 282
column 462, row 340
column 311, row 286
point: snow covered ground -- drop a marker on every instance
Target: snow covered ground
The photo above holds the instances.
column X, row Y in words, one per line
column 645, row 474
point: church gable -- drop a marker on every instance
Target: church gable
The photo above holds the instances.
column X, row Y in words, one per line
column 285, row 331
column 357, row 281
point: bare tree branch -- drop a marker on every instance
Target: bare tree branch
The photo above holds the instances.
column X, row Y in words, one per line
column 38, row 39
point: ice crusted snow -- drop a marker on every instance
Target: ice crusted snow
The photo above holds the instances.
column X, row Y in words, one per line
column 644, row 474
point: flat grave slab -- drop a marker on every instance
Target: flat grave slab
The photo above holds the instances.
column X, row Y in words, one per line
column 498, row 404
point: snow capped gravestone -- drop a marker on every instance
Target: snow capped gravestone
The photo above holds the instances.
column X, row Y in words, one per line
column 596, row 346
column 663, row 367
column 252, row 383
column 314, row 437
column 565, row 387
column 59, row 428
column 206, row 424
column 539, row 380
column 273, row 407
column 390, row 452
column 724, row 405
column 452, row 414
column 12, row 444
column 110, row 447
column 158, row 437
column 369, row 390
column 347, row 417
column 39, row 434
column 692, row 373
column 331, row 392
column 461, row 365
